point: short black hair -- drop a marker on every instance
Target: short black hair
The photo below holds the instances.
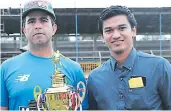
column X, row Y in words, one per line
column 114, row 11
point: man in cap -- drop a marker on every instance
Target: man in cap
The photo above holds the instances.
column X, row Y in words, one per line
column 27, row 75
column 134, row 80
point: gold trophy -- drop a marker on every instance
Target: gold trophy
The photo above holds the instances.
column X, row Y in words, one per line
column 60, row 96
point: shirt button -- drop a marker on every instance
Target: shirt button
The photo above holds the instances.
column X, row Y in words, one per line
column 121, row 96
column 121, row 78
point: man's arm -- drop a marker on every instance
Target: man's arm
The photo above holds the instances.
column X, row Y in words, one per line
column 3, row 93
column 165, row 84
column 91, row 100
column 3, row 108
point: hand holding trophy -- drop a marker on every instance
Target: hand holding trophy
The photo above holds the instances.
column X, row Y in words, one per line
column 61, row 96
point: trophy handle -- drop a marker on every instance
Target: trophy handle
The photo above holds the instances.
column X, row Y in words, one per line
column 41, row 103
column 83, row 90
column 80, row 98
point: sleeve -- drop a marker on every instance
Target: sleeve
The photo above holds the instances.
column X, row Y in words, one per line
column 165, row 84
column 91, row 100
column 81, row 78
column 4, row 93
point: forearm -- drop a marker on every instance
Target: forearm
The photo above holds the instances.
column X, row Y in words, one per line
column 3, row 108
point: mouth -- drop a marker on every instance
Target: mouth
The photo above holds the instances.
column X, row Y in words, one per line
column 38, row 34
column 117, row 41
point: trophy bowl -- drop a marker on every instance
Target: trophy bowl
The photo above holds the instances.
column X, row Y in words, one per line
column 62, row 98
column 58, row 98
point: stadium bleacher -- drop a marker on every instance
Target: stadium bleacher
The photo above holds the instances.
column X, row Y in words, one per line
column 89, row 51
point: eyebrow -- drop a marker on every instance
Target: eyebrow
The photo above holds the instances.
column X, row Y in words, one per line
column 30, row 19
column 121, row 25
column 33, row 18
column 44, row 17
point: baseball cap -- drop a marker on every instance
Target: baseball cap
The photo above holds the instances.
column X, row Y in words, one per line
column 38, row 5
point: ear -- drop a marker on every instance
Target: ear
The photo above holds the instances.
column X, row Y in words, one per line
column 54, row 28
column 102, row 38
column 134, row 31
column 23, row 30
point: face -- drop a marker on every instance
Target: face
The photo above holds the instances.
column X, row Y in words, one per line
column 38, row 28
column 118, row 34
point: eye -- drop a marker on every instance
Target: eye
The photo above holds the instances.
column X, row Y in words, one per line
column 108, row 30
column 122, row 28
column 30, row 21
column 44, row 20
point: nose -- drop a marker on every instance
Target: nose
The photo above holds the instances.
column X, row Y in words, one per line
column 116, row 34
column 38, row 24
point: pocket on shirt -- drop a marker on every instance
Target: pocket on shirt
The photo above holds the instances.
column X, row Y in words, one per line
column 137, row 91
column 137, row 99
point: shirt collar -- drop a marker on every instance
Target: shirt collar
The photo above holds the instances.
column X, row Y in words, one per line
column 129, row 61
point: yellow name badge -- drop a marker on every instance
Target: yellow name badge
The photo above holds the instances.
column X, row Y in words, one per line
column 136, row 82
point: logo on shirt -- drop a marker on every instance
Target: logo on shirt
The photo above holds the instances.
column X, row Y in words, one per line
column 23, row 78
column 23, row 108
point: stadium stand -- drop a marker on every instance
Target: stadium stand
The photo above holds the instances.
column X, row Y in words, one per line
column 90, row 53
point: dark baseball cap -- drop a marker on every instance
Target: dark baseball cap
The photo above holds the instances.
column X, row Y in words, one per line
column 38, row 5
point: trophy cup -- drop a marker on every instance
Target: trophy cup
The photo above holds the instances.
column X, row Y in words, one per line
column 61, row 96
